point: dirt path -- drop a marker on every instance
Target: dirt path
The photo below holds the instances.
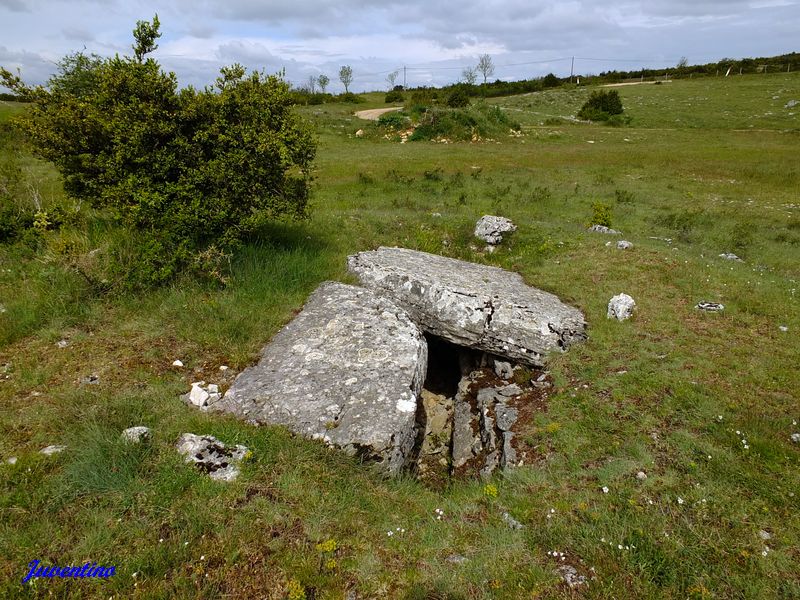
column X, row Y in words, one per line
column 636, row 83
column 374, row 113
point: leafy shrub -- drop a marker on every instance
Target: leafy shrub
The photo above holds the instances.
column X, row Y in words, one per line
column 393, row 120
column 458, row 98
column 463, row 124
column 601, row 214
column 601, row 105
column 394, row 96
column 187, row 174
column 349, row 98
column 550, row 81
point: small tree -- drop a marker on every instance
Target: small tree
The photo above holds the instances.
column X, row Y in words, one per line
column 391, row 78
column 601, row 106
column 469, row 75
column 346, row 77
column 312, row 84
column 323, row 81
column 187, row 174
column 682, row 64
column 485, row 66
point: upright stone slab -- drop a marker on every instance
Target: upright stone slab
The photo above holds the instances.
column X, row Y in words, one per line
column 472, row 305
column 347, row 370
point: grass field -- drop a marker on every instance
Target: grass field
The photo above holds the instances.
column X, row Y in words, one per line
column 703, row 403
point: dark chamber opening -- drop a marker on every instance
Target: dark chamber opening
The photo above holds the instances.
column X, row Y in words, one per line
column 444, row 366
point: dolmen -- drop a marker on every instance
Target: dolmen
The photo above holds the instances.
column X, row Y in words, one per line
column 349, row 368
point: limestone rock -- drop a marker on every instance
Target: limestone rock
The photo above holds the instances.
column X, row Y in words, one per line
column 710, row 306
column 511, row 521
column 624, row 245
column 795, row 438
column 604, row 229
column 201, row 395
column 348, row 370
column 136, row 434
column 620, row 307
column 471, row 305
column 730, row 256
column 792, row 103
column 211, row 456
column 50, row 450
column 12, row 460
column 491, row 229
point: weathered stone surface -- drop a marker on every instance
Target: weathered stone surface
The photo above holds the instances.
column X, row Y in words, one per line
column 620, row 307
column 50, row 450
column 624, row 245
column 491, row 229
column 201, row 395
column 710, row 306
column 212, row 456
column 136, row 434
column 472, row 305
column 604, row 229
column 792, row 103
column 347, row 370
column 730, row 256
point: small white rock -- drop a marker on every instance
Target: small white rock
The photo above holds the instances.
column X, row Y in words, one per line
column 62, row 343
column 624, row 245
column 136, row 434
column 765, row 535
column 620, row 307
column 641, row 476
column 198, row 396
column 12, row 460
column 224, row 367
column 177, row 363
column 50, row 450
column 783, row 328
column 796, row 438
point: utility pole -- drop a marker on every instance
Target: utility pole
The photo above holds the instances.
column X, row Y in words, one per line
column 404, row 77
column 572, row 69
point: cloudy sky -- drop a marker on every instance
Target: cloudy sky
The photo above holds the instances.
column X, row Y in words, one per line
column 433, row 39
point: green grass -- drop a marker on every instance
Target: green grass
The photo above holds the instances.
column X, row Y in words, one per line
column 645, row 394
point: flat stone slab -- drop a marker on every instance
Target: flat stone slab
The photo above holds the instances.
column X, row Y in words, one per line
column 347, row 370
column 472, row 305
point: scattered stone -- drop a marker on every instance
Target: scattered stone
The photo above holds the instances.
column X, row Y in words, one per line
column 136, row 435
column 62, row 344
column 92, row 379
column 792, row 103
column 3, row 309
column 503, row 369
column 12, row 460
column 211, row 455
column 765, row 535
column 177, row 363
column 456, row 559
column 224, row 368
column 783, row 328
column 201, row 395
column 620, row 307
column 50, row 450
column 710, row 306
column 624, row 245
column 570, row 576
column 511, row 521
column 641, row 476
column 604, row 229
column 796, row 438
column 360, row 133
column 471, row 305
column 491, row 229
column 347, row 370
column 730, row 256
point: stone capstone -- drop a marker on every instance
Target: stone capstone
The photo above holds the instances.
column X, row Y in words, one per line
column 211, row 456
column 620, row 307
column 348, row 370
column 471, row 305
column 491, row 229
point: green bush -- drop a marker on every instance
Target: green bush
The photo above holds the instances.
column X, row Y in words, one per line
column 601, row 106
column 394, row 96
column 459, row 124
column 601, row 215
column 394, row 120
column 458, row 98
column 550, row 81
column 349, row 98
column 187, row 173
